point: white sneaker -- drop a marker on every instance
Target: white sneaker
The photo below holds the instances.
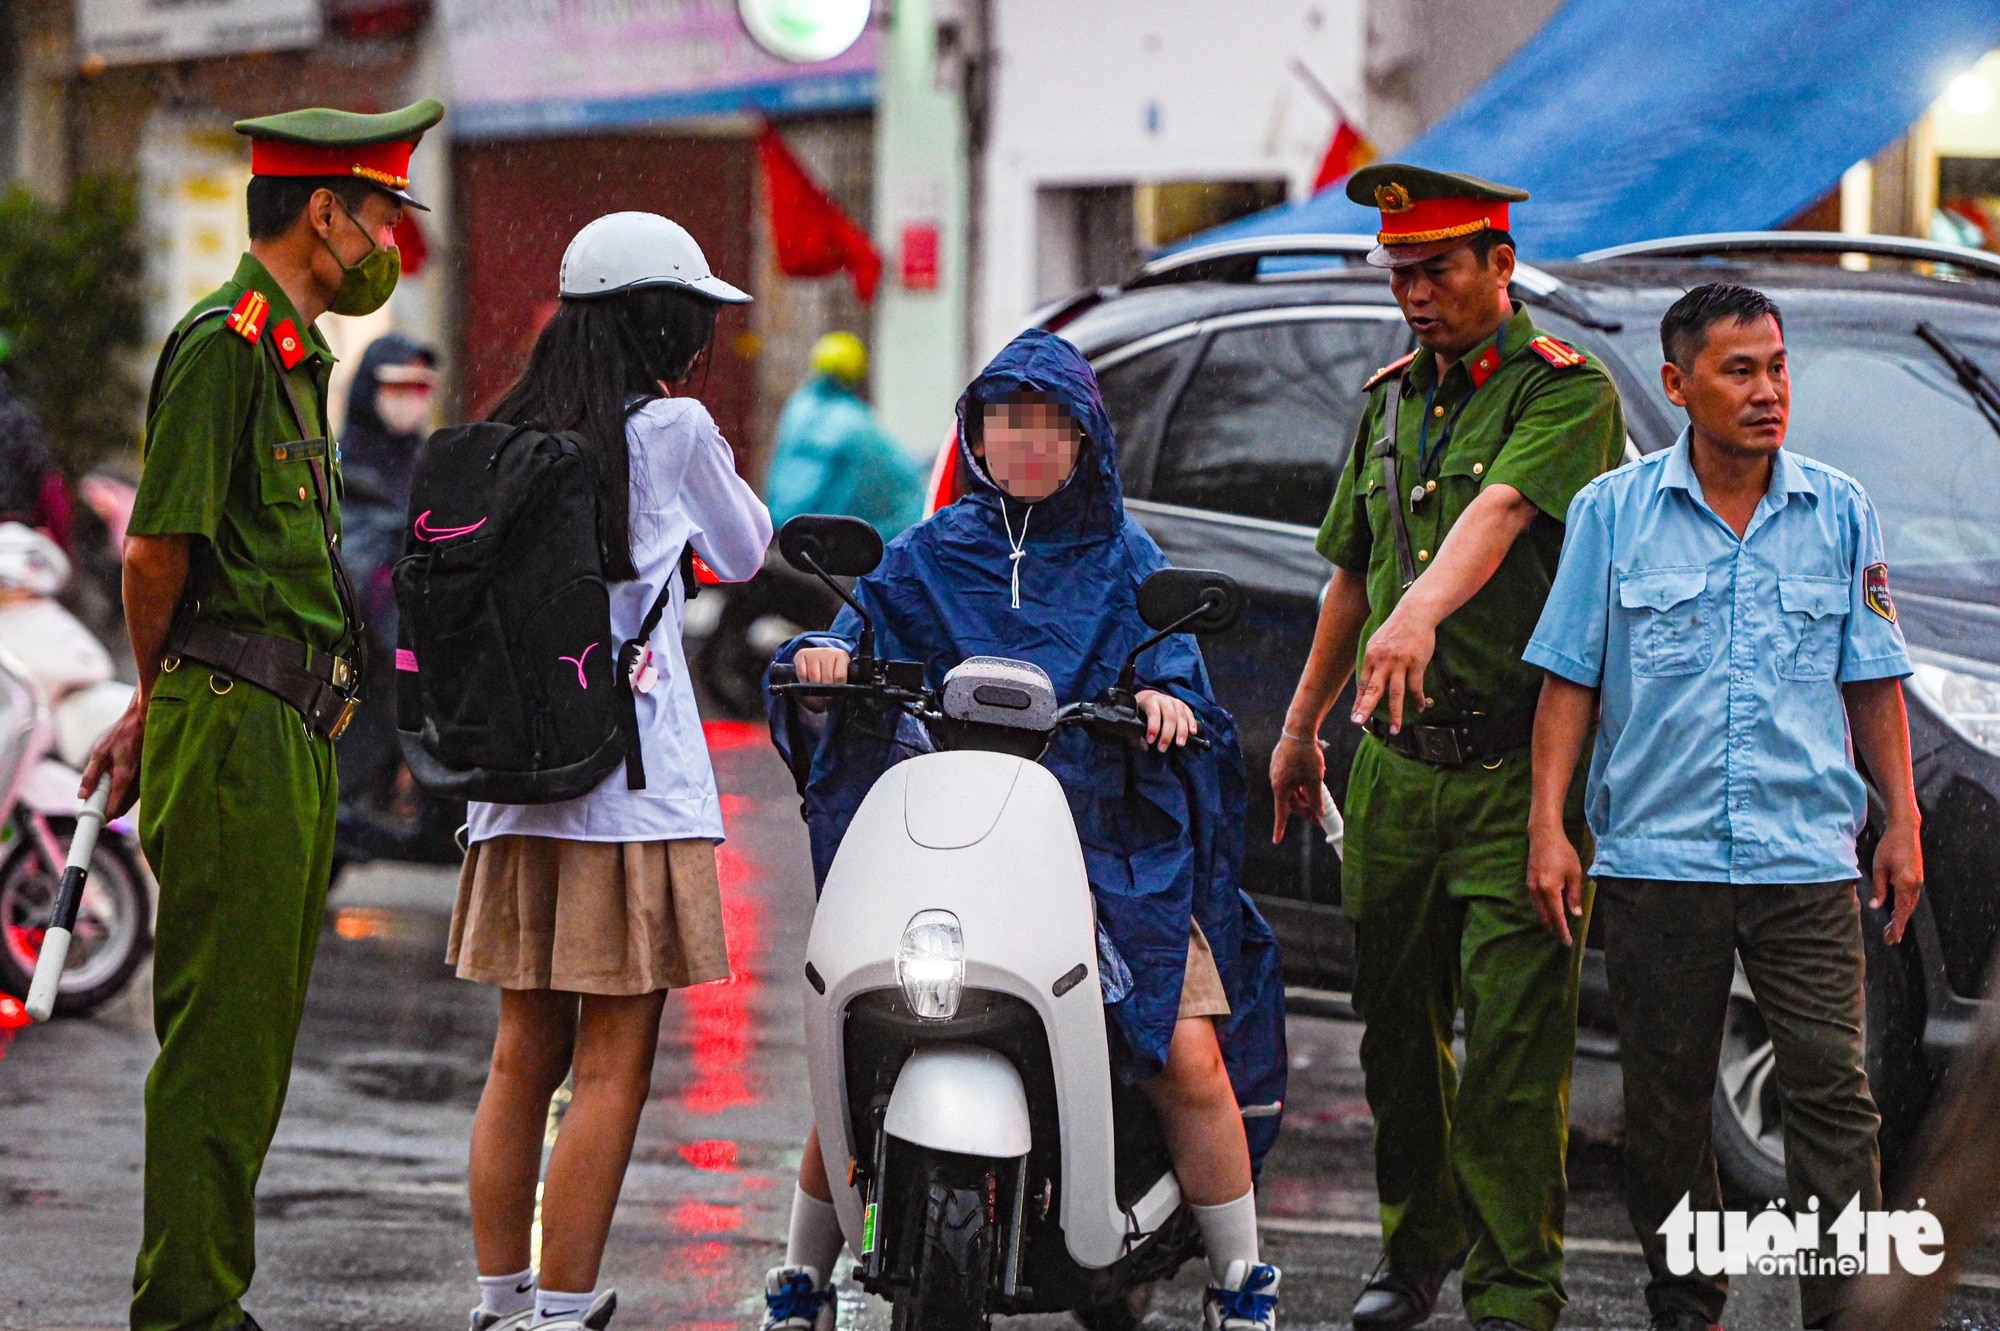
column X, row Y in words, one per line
column 486, row 1321
column 594, row 1318
column 1246, row 1301
column 795, row 1300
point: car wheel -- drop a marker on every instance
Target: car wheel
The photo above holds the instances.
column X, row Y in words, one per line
column 1748, row 1131
column 113, row 923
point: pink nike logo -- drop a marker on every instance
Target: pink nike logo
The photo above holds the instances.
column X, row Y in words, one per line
column 426, row 532
column 581, row 681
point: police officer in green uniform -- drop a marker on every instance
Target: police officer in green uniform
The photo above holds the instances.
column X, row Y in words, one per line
column 244, row 628
column 1444, row 535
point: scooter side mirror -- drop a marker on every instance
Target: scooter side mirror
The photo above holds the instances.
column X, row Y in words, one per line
column 1190, row 600
column 823, row 543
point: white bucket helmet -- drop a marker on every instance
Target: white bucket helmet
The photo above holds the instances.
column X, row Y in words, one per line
column 626, row 251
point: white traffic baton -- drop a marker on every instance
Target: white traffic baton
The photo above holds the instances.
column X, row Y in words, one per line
column 55, row 943
column 1331, row 824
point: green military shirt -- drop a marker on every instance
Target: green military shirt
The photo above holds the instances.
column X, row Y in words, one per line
column 221, row 465
column 1544, row 428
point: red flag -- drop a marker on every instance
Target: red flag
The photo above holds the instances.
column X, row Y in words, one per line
column 812, row 235
column 1348, row 153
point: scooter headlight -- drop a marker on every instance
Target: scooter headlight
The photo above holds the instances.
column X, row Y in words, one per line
column 930, row 964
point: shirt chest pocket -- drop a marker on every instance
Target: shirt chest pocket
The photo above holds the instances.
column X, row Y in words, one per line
column 291, row 508
column 1671, row 629
column 1814, row 612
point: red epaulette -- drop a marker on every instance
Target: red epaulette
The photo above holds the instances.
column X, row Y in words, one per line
column 246, row 318
column 1389, row 371
column 1559, row 354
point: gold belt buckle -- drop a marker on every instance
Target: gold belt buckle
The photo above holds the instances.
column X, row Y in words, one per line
column 340, row 723
column 343, row 673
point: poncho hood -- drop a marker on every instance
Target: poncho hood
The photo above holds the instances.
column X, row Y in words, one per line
column 1091, row 505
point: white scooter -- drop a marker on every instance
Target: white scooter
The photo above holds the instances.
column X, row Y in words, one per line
column 984, row 1159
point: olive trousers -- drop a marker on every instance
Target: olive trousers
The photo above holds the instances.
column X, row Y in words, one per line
column 236, row 818
column 1467, row 1161
column 1670, row 953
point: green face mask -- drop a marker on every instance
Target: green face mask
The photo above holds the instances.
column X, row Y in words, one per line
column 365, row 287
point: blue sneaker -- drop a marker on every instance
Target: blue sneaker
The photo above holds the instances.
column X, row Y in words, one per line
column 1246, row 1301
column 794, row 1300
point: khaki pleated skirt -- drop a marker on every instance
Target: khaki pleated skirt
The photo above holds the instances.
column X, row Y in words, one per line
column 1202, row 994
column 589, row 917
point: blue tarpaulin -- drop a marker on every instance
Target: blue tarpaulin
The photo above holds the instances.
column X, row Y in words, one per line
column 1632, row 119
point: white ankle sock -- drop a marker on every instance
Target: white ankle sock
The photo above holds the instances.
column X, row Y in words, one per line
column 503, row 1296
column 814, row 1239
column 551, row 1305
column 1229, row 1232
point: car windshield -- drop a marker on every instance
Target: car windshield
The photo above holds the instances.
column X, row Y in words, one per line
column 1884, row 408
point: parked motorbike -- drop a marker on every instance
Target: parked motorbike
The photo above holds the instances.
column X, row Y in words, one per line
column 984, row 1158
column 114, row 925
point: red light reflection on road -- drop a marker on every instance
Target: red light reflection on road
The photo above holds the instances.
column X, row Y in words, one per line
column 717, row 1017
column 724, row 735
column 717, row 1157
column 705, row 1218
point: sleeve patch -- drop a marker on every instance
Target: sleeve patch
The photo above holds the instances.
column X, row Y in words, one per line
column 1875, row 591
column 1559, row 354
column 247, row 316
column 1389, row 371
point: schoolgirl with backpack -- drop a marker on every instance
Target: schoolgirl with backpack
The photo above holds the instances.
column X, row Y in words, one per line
column 540, row 675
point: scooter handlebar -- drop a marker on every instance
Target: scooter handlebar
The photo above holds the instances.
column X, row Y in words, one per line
column 54, row 955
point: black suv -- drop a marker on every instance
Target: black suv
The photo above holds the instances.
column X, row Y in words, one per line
column 1233, row 373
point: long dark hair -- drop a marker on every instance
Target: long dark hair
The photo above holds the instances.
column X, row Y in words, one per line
column 597, row 361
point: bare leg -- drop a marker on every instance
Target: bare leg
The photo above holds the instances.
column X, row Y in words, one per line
column 616, row 1039
column 812, row 1170
column 530, row 1059
column 1198, row 1111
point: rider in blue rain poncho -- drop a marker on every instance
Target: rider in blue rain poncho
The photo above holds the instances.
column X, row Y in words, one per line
column 1050, row 574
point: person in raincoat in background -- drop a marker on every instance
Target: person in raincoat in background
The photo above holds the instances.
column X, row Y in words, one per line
column 1039, row 562
column 833, row 456
column 388, row 413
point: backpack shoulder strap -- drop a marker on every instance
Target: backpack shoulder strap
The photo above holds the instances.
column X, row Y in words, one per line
column 628, row 659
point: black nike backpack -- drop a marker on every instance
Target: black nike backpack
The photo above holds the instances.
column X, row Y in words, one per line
column 509, row 686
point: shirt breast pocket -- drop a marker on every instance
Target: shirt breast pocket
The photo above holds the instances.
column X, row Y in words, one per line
column 292, row 512
column 1670, row 629
column 1815, row 611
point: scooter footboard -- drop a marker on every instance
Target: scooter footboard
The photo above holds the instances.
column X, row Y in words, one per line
column 960, row 1098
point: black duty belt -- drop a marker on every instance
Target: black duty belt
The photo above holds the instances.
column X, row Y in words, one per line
column 318, row 685
column 1480, row 739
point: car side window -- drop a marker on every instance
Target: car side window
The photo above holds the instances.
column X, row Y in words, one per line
column 1267, row 418
column 1135, row 397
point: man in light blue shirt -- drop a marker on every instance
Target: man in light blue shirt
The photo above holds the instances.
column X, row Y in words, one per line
column 1726, row 605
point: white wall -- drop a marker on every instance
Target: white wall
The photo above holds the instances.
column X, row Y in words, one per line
column 1148, row 90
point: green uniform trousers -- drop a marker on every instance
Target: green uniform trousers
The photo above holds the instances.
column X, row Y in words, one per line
column 1670, row 952
column 1471, row 1161
column 236, row 817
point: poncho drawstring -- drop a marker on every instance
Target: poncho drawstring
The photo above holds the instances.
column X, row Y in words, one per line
column 1020, row 547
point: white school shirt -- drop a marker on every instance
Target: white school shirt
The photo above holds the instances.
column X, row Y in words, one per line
column 684, row 488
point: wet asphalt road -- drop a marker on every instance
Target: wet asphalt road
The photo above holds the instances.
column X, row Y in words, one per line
column 362, row 1219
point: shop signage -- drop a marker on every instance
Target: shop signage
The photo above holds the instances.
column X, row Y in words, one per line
column 123, row 32
column 523, row 67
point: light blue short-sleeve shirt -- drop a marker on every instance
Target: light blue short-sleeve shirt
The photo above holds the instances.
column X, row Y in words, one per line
column 1722, row 751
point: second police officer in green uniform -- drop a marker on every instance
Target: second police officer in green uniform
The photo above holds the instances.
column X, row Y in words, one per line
column 1444, row 536
column 244, row 629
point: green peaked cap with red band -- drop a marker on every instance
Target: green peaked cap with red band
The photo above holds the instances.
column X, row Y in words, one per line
column 321, row 141
column 1427, row 213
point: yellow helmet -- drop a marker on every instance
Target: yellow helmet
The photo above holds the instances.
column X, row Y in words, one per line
column 842, row 356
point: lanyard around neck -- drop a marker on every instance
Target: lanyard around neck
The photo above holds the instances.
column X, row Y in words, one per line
column 1427, row 456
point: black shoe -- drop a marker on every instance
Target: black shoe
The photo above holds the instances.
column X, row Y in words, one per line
column 1398, row 1297
column 1683, row 1321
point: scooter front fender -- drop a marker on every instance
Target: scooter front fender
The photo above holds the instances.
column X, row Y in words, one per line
column 960, row 1098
